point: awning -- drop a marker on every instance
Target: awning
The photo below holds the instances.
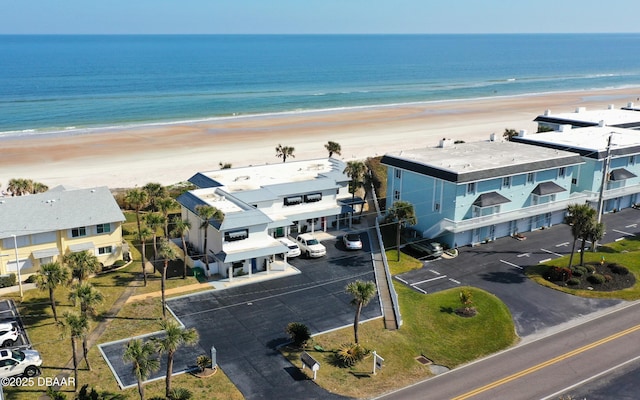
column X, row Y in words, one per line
column 490, row 199
column 81, row 247
column 247, row 254
column 46, row 253
column 547, row 188
column 620, row 174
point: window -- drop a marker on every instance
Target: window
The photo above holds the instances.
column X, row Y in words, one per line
column 574, row 181
column 232, row 236
column 312, row 197
column 78, row 232
column 105, row 250
column 506, row 181
column 292, row 201
column 103, row 228
column 398, row 173
column 561, row 172
column 436, row 207
column 471, row 188
column 530, row 177
column 396, row 195
column 632, row 160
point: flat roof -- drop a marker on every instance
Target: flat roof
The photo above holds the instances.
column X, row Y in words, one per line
column 256, row 177
column 467, row 162
column 589, row 142
column 624, row 118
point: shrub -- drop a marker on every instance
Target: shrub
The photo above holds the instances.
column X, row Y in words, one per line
column 180, row 394
column 608, row 278
column 559, row 274
column 203, row 362
column 31, row 279
column 7, row 280
column 573, row 282
column 578, row 271
column 119, row 263
column 299, row 333
column 349, row 354
column 596, row 279
column 590, row 268
column 618, row 269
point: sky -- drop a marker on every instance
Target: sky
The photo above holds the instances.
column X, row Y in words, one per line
column 317, row 16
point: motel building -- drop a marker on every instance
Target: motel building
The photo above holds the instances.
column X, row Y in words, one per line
column 41, row 228
column 261, row 204
column 607, row 152
column 470, row 193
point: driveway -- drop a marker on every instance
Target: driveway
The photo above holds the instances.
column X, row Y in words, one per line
column 246, row 324
column 498, row 267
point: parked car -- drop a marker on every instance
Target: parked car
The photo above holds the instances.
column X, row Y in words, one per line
column 294, row 249
column 19, row 362
column 310, row 246
column 352, row 241
column 429, row 249
column 9, row 334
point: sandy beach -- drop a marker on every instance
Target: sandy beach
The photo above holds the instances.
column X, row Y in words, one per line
column 172, row 153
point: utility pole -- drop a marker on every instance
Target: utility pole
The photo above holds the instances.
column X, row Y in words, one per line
column 605, row 175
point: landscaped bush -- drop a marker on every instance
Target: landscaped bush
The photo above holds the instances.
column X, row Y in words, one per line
column 573, row 282
column 31, row 279
column 119, row 263
column 559, row 274
column 596, row 279
column 590, row 268
column 299, row 333
column 578, row 271
column 349, row 354
column 7, row 280
column 608, row 278
column 618, row 269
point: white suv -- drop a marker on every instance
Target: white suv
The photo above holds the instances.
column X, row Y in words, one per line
column 310, row 246
column 294, row 250
column 19, row 362
column 9, row 334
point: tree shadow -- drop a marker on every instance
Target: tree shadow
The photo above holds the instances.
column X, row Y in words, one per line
column 504, row 277
column 448, row 310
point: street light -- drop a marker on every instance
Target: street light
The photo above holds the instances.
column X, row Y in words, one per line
column 15, row 248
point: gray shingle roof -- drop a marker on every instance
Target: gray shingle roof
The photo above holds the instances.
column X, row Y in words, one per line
column 57, row 210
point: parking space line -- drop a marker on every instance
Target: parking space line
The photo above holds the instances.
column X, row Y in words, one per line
column 632, row 226
column 544, row 261
column 420, row 290
column 429, row 280
column 435, row 272
column 454, row 281
column 522, row 255
column 512, row 264
column 401, row 280
column 551, row 252
column 624, row 233
column 565, row 244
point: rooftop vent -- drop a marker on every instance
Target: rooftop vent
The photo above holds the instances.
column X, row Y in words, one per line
column 444, row 142
column 565, row 128
column 601, row 123
column 612, row 107
column 547, row 113
column 581, row 109
column 492, row 137
column 522, row 133
column 630, row 104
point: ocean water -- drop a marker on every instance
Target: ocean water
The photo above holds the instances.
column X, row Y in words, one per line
column 83, row 83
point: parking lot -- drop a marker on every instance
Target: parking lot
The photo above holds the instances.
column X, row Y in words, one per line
column 9, row 315
column 498, row 267
column 246, row 324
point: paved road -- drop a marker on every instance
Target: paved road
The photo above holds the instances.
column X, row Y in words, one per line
column 544, row 368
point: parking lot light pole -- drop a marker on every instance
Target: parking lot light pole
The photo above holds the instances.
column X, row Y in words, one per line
column 15, row 248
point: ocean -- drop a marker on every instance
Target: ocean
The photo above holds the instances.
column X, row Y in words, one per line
column 82, row 83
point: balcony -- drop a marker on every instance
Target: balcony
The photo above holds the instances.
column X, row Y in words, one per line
column 493, row 219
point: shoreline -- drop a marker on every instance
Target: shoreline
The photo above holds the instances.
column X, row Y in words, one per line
column 173, row 152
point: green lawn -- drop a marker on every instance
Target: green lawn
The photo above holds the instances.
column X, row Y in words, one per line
column 625, row 252
column 431, row 328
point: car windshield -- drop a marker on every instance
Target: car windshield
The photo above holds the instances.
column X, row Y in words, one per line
column 18, row 355
column 293, row 246
column 353, row 237
column 311, row 242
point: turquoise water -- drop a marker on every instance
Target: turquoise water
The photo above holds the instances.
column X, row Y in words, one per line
column 79, row 83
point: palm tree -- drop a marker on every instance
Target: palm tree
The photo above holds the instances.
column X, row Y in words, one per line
column 509, row 134
column 82, row 264
column 402, row 213
column 207, row 213
column 154, row 221
column 284, row 152
column 362, row 293
column 579, row 216
column 181, row 228
column 174, row 337
column 593, row 232
column 333, row 147
column 167, row 252
column 50, row 276
column 165, row 205
column 137, row 199
column 356, row 171
column 155, row 191
column 88, row 296
column 37, row 187
column 77, row 326
column 144, row 235
column 141, row 355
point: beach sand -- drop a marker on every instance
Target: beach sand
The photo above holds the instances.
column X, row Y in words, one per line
column 173, row 153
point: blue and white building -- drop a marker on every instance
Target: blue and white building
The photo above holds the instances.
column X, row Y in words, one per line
column 469, row 193
column 626, row 117
column 262, row 203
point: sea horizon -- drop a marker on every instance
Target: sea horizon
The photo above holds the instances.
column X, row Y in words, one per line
column 93, row 83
